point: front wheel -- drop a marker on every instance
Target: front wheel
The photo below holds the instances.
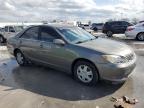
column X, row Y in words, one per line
column 21, row 60
column 86, row 73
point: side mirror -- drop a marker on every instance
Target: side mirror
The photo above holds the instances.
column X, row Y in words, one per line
column 58, row 42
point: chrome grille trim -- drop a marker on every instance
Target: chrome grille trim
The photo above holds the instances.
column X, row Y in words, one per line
column 130, row 57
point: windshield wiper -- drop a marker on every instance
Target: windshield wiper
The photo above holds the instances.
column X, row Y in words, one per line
column 79, row 42
column 87, row 40
column 94, row 38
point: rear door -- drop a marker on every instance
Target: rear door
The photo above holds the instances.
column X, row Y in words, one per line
column 29, row 43
column 116, row 27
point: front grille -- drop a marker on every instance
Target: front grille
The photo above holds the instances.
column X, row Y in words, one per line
column 129, row 57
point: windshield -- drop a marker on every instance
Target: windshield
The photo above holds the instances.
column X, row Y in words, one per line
column 18, row 28
column 75, row 34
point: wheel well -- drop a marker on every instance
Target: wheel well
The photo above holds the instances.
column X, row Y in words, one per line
column 16, row 51
column 1, row 35
column 82, row 59
column 109, row 31
column 4, row 39
column 139, row 33
column 95, row 28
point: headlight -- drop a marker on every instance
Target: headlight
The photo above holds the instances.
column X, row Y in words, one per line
column 114, row 59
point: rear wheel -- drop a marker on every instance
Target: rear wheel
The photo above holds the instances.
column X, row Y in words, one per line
column 140, row 37
column 109, row 33
column 21, row 60
column 86, row 73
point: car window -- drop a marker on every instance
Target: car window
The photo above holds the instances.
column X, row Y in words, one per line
column 93, row 24
column 48, row 34
column 31, row 33
column 75, row 35
column 11, row 29
column 119, row 23
column 114, row 24
column 18, row 28
column 6, row 29
column 125, row 23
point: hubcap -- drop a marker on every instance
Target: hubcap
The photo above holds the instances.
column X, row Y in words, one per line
column 20, row 58
column 84, row 73
column 109, row 33
column 141, row 37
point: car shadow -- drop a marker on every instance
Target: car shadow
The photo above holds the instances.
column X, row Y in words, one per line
column 52, row 83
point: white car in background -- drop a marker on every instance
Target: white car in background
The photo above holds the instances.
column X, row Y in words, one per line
column 9, row 31
column 136, row 31
column 86, row 27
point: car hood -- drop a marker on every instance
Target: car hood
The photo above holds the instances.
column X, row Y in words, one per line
column 12, row 35
column 107, row 46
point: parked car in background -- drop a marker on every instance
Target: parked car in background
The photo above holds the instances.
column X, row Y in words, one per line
column 86, row 27
column 115, row 27
column 73, row 50
column 1, row 29
column 141, row 21
column 97, row 26
column 136, row 31
column 9, row 31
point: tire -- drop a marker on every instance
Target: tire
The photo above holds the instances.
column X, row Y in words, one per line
column 2, row 40
column 21, row 60
column 140, row 37
column 86, row 73
column 95, row 29
column 109, row 33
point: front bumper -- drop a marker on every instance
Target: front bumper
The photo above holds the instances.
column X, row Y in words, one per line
column 116, row 73
column 10, row 49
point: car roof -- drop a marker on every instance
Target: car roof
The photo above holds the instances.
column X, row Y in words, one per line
column 58, row 25
column 115, row 21
column 13, row 25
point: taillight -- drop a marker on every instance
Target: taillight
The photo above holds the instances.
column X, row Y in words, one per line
column 130, row 29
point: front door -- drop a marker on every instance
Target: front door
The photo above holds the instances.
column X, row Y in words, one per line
column 51, row 53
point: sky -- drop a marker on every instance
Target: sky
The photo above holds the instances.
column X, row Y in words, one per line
column 79, row 10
